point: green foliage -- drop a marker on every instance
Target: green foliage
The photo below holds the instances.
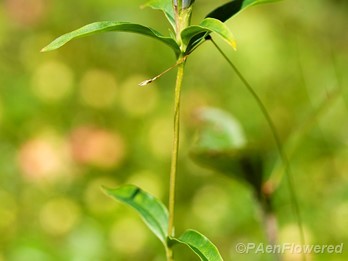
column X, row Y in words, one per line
column 151, row 210
column 221, row 152
column 107, row 26
column 166, row 6
column 219, row 131
column 221, row 145
column 74, row 120
column 226, row 11
column 191, row 36
column 155, row 216
column 200, row 245
column 207, row 26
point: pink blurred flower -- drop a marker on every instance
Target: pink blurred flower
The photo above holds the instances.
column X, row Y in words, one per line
column 97, row 147
column 43, row 158
column 25, row 12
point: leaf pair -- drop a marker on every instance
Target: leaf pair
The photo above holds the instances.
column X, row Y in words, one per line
column 155, row 216
column 207, row 26
column 191, row 36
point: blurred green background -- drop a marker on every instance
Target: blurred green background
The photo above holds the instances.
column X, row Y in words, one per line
column 75, row 119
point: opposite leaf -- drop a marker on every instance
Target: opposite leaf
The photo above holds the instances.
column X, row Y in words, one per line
column 207, row 26
column 226, row 11
column 200, row 244
column 151, row 210
column 108, row 26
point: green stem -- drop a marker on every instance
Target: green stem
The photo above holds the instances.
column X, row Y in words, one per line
column 277, row 141
column 169, row 253
column 175, row 154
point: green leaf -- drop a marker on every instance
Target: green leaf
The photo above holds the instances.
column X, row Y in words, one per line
column 226, row 11
column 166, row 6
column 219, row 131
column 151, row 210
column 221, row 145
column 220, row 142
column 244, row 165
column 108, row 26
column 200, row 245
column 207, row 26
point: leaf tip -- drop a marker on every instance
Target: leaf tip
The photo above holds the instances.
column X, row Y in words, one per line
column 105, row 189
column 43, row 50
column 234, row 45
column 48, row 48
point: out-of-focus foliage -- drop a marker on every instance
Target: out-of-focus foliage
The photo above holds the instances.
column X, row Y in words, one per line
column 75, row 119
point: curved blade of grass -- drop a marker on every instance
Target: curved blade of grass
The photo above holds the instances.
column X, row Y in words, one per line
column 166, row 6
column 109, row 26
column 226, row 11
column 279, row 146
column 151, row 210
column 207, row 26
column 200, row 245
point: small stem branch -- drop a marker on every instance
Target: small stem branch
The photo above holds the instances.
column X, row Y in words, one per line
column 148, row 81
column 277, row 141
column 175, row 153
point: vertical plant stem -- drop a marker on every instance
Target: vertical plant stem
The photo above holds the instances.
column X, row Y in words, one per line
column 175, row 153
column 269, row 223
column 169, row 253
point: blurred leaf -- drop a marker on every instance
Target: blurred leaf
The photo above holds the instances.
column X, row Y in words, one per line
column 151, row 210
column 207, row 26
column 199, row 244
column 226, row 11
column 226, row 162
column 244, row 165
column 107, row 26
column 221, row 146
column 219, row 131
column 166, row 6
